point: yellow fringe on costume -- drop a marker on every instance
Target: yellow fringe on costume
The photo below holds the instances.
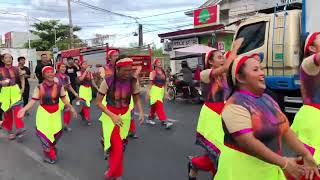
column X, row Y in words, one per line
column 86, row 94
column 235, row 165
column 108, row 125
column 48, row 123
column 210, row 126
column 305, row 125
column 10, row 95
column 156, row 94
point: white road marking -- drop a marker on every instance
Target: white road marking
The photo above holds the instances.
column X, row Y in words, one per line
column 147, row 115
column 51, row 168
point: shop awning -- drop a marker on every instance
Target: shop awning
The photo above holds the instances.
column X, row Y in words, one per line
column 191, row 32
column 196, row 49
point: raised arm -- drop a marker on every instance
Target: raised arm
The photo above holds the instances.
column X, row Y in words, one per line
column 233, row 54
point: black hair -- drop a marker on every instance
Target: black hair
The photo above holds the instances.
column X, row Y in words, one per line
column 233, row 87
column 69, row 58
column 184, row 64
column 1, row 62
column 2, row 58
column 20, row 58
column 211, row 57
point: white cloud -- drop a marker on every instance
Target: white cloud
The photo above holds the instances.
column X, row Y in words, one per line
column 93, row 22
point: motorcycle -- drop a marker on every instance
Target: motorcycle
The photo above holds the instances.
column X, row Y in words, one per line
column 178, row 89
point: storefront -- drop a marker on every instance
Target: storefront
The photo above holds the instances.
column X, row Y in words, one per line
column 207, row 31
column 212, row 36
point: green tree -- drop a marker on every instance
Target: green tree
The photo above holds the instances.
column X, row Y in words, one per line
column 47, row 30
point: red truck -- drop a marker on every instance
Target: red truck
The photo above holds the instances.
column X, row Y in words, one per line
column 97, row 57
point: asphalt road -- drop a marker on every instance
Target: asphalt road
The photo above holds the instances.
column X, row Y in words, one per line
column 158, row 154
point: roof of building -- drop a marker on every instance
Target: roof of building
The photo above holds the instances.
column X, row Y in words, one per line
column 193, row 31
column 206, row 4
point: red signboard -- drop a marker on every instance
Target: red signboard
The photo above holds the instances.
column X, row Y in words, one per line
column 142, row 60
column 206, row 16
column 7, row 36
column 70, row 53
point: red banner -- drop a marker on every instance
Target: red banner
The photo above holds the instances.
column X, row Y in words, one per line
column 7, row 36
column 206, row 16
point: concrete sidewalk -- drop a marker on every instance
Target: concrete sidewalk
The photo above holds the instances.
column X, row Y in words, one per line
column 20, row 163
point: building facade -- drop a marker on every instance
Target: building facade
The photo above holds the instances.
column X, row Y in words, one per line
column 18, row 39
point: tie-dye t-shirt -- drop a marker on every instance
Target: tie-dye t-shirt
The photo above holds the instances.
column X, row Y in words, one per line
column 310, row 80
column 119, row 92
column 261, row 115
column 48, row 94
column 63, row 79
column 108, row 70
column 11, row 73
column 87, row 81
column 215, row 89
column 158, row 78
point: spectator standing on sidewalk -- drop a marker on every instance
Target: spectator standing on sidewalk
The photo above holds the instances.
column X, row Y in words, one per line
column 72, row 69
column 44, row 62
column 26, row 71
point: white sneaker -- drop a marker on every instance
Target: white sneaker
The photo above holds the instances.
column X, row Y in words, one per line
column 168, row 125
column 151, row 122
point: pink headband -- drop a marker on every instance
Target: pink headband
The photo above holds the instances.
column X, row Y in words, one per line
column 124, row 62
column 309, row 41
column 112, row 52
column 46, row 69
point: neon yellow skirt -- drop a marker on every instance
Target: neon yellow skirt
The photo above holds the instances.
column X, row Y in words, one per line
column 235, row 165
column 104, row 103
column 47, row 123
column 61, row 104
column 210, row 126
column 107, row 127
column 156, row 94
column 305, row 125
column 86, row 94
column 10, row 95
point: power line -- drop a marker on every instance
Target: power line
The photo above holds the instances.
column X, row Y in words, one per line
column 141, row 22
column 161, row 14
column 101, row 9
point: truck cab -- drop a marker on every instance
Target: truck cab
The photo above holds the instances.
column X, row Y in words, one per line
column 277, row 36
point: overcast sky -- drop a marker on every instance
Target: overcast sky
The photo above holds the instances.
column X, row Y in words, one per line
column 93, row 21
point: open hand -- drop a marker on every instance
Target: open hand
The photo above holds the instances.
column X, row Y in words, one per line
column 117, row 120
column 311, row 168
column 21, row 113
column 293, row 168
column 74, row 113
column 141, row 118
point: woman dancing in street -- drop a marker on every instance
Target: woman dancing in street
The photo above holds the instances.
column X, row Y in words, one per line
column 254, row 128
column 306, row 123
column 11, row 97
column 156, row 92
column 118, row 90
column 65, row 82
column 85, row 92
column 48, row 117
column 210, row 133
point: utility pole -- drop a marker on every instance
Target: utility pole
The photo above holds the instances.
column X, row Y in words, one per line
column 70, row 24
column 140, row 35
